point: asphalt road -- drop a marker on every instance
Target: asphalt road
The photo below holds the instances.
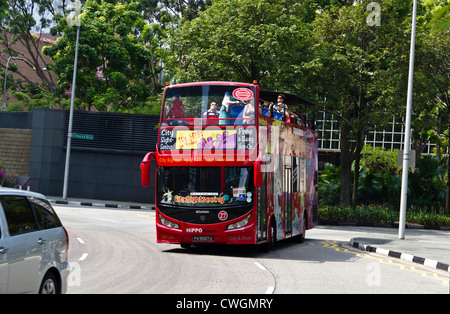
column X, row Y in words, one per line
column 113, row 251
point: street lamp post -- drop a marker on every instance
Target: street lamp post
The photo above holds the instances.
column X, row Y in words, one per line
column 406, row 150
column 72, row 19
column 6, row 77
column 69, row 132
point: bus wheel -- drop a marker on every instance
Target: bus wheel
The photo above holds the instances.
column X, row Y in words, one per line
column 272, row 236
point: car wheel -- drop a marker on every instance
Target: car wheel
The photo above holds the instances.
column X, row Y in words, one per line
column 49, row 284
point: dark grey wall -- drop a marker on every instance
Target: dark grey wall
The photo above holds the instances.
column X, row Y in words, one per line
column 47, row 156
column 93, row 173
column 107, row 177
column 15, row 120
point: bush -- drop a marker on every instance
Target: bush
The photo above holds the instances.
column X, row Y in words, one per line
column 330, row 185
column 428, row 219
column 378, row 214
column 380, row 180
column 7, row 178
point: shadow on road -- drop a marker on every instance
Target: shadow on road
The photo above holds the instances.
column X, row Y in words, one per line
column 312, row 250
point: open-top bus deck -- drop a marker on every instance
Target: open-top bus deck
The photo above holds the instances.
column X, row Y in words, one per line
column 232, row 169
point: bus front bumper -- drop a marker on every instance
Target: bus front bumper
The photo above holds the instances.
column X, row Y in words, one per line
column 195, row 234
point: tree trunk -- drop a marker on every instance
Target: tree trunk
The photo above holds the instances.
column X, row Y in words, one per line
column 346, row 166
column 447, row 194
column 357, row 157
column 355, row 181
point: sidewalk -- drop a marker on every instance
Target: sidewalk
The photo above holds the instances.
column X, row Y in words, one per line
column 427, row 247
column 97, row 203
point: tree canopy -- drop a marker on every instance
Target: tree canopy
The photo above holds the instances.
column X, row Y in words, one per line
column 118, row 56
column 350, row 57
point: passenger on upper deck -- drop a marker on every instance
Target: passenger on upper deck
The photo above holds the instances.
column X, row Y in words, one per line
column 226, row 108
column 265, row 108
column 280, row 106
column 175, row 109
column 212, row 110
column 249, row 113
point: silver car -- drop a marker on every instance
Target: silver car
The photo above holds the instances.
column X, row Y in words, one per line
column 33, row 245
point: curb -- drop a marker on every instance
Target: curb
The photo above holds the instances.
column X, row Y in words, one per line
column 100, row 205
column 381, row 225
column 407, row 257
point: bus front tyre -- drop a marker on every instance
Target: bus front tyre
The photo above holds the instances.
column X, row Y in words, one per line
column 271, row 239
column 272, row 236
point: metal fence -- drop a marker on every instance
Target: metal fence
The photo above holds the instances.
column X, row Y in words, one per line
column 390, row 136
column 113, row 132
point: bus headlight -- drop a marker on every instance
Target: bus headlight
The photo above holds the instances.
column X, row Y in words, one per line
column 239, row 224
column 168, row 223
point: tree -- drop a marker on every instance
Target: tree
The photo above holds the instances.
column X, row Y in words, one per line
column 240, row 40
column 433, row 69
column 22, row 23
column 352, row 59
column 185, row 9
column 119, row 55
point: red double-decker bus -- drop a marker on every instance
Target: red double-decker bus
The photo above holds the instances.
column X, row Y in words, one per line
column 234, row 166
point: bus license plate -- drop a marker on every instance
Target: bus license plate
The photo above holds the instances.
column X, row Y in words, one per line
column 202, row 238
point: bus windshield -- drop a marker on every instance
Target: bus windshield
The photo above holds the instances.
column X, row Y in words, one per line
column 217, row 104
column 205, row 186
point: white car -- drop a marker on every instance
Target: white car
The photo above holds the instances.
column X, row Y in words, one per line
column 33, row 245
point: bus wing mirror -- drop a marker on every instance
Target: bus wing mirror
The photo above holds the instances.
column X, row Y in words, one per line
column 145, row 169
column 258, row 176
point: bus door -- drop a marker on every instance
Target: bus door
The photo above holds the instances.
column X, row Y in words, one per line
column 262, row 210
column 288, row 199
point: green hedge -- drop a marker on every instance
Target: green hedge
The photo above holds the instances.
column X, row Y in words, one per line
column 378, row 214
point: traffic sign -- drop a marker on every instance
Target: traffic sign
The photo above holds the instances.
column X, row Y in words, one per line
column 83, row 136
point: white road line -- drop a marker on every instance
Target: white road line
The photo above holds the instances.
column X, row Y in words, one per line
column 109, row 220
column 271, row 289
column 83, row 257
column 80, row 240
column 260, row 266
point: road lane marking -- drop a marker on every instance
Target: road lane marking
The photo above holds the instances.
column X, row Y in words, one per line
column 83, row 257
column 270, row 289
column 109, row 220
column 260, row 266
column 331, row 244
column 80, row 240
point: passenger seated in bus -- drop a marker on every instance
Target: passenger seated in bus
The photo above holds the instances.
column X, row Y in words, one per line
column 265, row 108
column 249, row 113
column 301, row 120
column 225, row 110
column 271, row 110
column 279, row 109
column 175, row 109
column 291, row 116
column 212, row 111
column 280, row 106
